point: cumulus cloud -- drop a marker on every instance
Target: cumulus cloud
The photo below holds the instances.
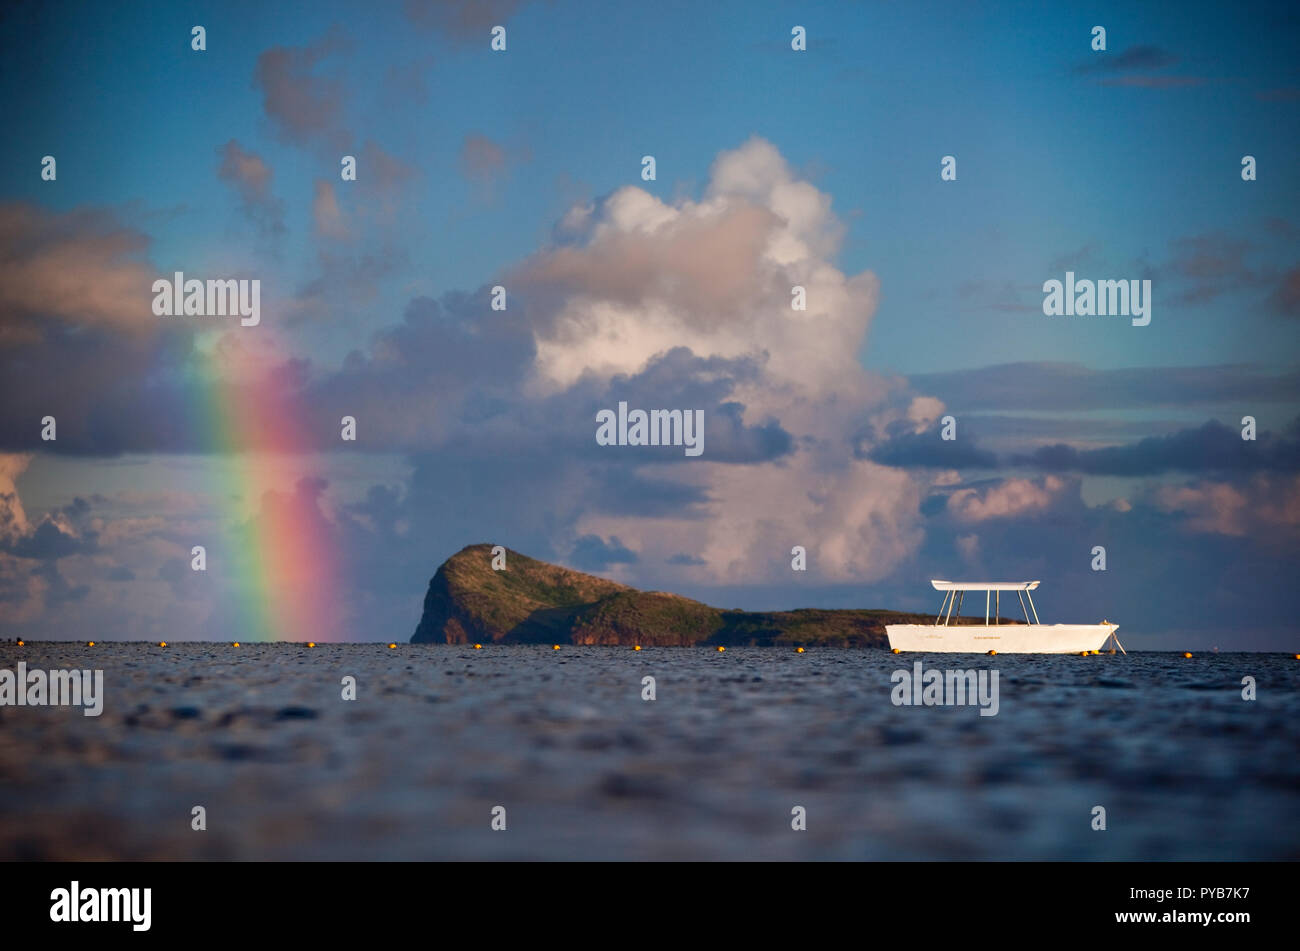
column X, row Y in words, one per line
column 81, row 267
column 1263, row 507
column 1009, row 498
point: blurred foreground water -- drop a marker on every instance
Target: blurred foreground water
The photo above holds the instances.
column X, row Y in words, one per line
column 286, row 769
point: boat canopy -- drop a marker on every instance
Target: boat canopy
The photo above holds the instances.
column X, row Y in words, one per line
column 984, row 585
column 956, row 594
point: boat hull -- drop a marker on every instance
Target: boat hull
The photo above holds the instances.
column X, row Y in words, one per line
column 1003, row 638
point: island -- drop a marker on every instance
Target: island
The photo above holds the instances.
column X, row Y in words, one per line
column 535, row 602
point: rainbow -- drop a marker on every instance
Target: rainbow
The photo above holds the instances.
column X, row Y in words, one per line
column 284, row 577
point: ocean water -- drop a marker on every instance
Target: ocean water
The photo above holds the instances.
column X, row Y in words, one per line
column 586, row 769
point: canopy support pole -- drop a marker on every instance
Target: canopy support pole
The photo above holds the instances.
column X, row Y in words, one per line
column 987, row 596
column 942, row 606
column 1022, row 606
column 1031, row 606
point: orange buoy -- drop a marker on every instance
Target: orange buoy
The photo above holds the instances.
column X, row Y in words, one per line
column 162, row 643
column 392, row 646
column 1083, row 653
column 21, row 643
column 798, row 650
column 1187, row 654
column 721, row 649
column 992, row 653
column 636, row 647
column 897, row 651
column 555, row 647
column 91, row 644
column 311, row 643
column 236, row 644
column 478, row 647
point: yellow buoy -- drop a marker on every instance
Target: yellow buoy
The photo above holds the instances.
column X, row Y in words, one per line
column 798, row 650
column 1186, row 654
column 311, row 643
column 1096, row 652
column 392, row 646
column 721, row 649
column 91, row 644
column 992, row 653
column 636, row 647
column 236, row 644
column 897, row 651
column 162, row 643
column 1297, row 656
column 478, row 647
column 1083, row 653
column 555, row 647
column 20, row 644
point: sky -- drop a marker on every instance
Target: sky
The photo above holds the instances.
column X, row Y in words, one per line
column 522, row 169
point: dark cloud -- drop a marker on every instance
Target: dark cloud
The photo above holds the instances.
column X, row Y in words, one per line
column 1072, row 387
column 51, row 541
column 1212, row 447
column 928, row 450
column 593, row 553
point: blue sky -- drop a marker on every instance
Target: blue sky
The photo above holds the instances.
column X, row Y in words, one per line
column 1117, row 164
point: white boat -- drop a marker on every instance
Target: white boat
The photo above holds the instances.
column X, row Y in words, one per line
column 994, row 634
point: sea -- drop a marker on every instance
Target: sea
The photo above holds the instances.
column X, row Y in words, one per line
column 434, row 752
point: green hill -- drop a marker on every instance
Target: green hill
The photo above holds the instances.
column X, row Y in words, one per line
column 534, row 602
